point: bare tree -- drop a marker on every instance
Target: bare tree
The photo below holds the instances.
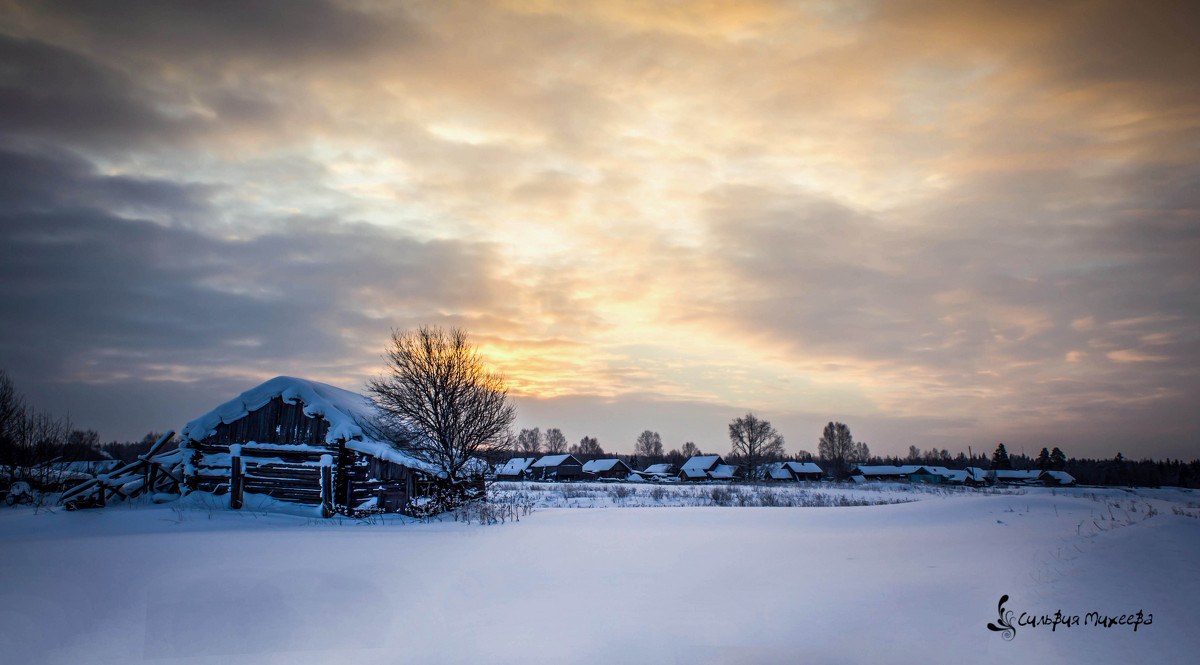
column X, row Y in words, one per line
column 588, row 446
column 32, row 443
column 756, row 442
column 649, row 444
column 836, row 447
column 556, row 443
column 862, row 453
column 439, row 402
column 529, row 442
column 690, row 450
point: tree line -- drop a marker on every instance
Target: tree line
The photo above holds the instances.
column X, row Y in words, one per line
column 35, row 444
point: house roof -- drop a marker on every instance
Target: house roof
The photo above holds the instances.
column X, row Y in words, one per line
column 886, row 470
column 1062, row 477
column 693, row 473
column 1013, row 474
column 554, row 460
column 346, row 413
column 723, row 472
column 663, row 468
column 803, row 467
column 598, row 465
column 515, row 466
column 701, row 463
column 778, row 471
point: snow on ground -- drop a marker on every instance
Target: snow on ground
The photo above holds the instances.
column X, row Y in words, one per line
column 913, row 582
column 646, row 495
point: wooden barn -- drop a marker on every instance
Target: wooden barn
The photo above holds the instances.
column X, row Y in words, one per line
column 557, row 467
column 613, row 469
column 304, row 442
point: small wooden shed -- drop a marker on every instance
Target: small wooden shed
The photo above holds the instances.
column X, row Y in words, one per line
column 304, row 442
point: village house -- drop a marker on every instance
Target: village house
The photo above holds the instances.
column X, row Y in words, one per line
column 863, row 472
column 1015, row 477
column 658, row 471
column 1056, row 479
column 613, row 469
column 557, row 467
column 517, row 468
column 794, row 471
column 699, row 467
column 933, row 474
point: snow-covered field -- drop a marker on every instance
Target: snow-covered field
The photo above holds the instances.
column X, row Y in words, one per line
column 913, row 582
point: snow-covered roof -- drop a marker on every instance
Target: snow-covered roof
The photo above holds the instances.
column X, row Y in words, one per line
column 664, row 468
column 1013, row 474
column 934, row 470
column 598, row 465
column 515, row 466
column 723, row 472
column 886, row 470
column 700, row 463
column 957, row 476
column 693, row 473
column 554, row 460
column 342, row 409
column 778, row 471
column 976, row 474
column 1062, row 477
column 803, row 467
column 345, row 412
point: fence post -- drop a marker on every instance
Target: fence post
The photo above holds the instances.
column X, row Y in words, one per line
column 235, row 477
column 327, row 485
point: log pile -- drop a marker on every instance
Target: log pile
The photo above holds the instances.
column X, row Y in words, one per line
column 149, row 473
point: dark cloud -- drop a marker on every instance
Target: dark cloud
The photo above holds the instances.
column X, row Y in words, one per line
column 266, row 32
column 54, row 93
column 95, row 298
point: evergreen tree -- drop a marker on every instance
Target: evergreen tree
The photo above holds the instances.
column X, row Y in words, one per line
column 1058, row 459
column 1000, row 458
column 1043, row 459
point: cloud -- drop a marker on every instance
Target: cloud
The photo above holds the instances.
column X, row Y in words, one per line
column 93, row 297
column 941, row 217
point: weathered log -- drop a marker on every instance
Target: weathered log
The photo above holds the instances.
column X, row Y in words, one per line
column 327, row 485
column 236, row 483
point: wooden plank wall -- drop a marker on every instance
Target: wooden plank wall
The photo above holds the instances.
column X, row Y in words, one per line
column 276, row 422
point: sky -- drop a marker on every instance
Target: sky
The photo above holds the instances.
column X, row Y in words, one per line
column 946, row 224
